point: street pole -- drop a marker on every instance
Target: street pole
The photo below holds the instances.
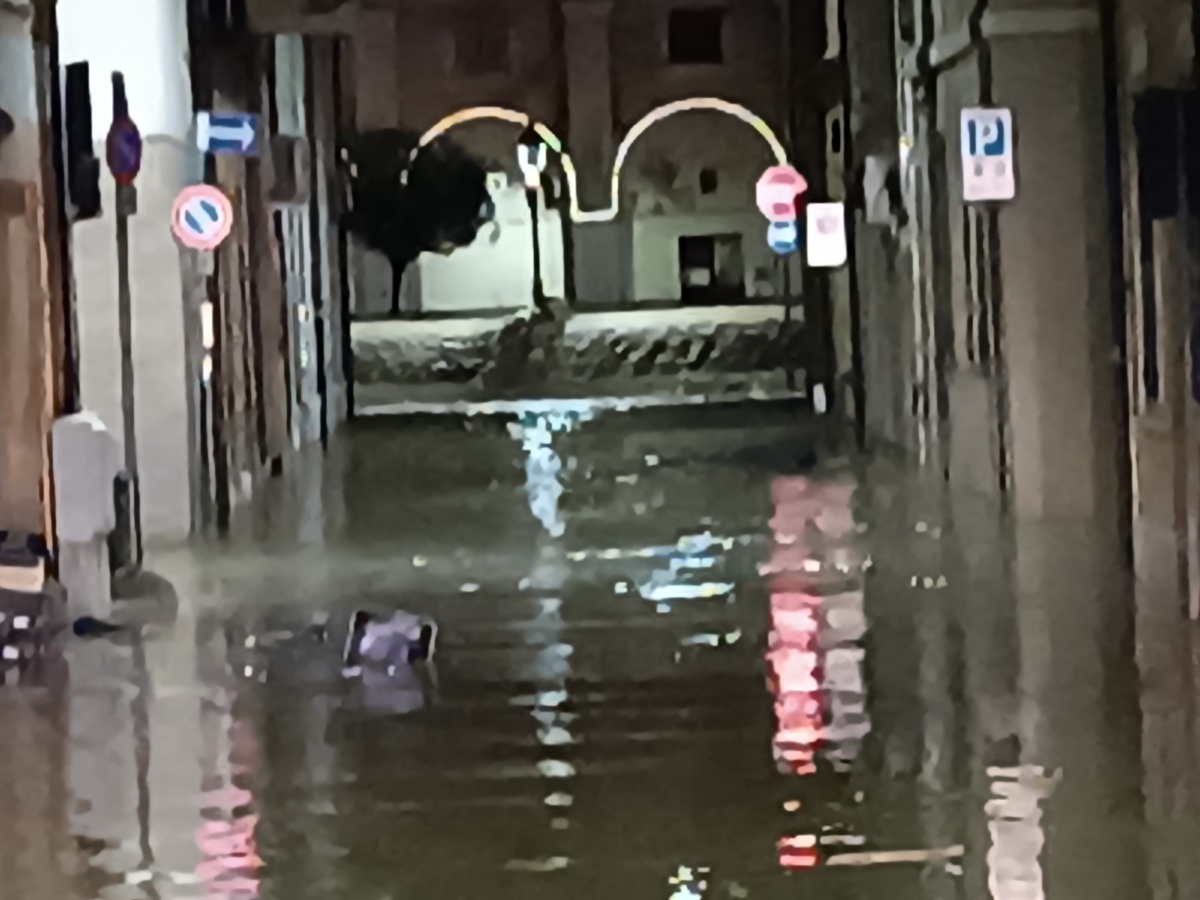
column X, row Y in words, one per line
column 539, row 291
column 789, row 369
column 126, row 203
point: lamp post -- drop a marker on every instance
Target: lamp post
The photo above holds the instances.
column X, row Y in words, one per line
column 532, row 155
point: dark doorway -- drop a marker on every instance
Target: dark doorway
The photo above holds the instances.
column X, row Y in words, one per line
column 712, row 270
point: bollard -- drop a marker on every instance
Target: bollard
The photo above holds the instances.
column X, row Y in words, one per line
column 120, row 539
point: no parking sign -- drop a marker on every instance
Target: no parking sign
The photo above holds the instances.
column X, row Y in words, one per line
column 202, row 217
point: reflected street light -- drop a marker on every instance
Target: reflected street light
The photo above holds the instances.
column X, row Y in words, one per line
column 532, row 155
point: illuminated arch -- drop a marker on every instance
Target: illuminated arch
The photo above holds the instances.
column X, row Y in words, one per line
column 520, row 119
column 694, row 104
column 498, row 113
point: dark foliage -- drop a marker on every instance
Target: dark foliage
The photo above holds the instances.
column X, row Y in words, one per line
column 404, row 206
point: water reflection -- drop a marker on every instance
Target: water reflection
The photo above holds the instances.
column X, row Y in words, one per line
column 1015, row 826
column 228, row 844
column 814, row 653
column 544, row 468
column 814, row 656
column 689, row 883
column 585, row 742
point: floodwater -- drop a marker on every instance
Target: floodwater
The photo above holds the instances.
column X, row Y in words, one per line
column 676, row 660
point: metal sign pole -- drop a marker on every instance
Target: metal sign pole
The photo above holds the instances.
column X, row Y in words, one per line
column 789, row 368
column 128, row 411
column 126, row 205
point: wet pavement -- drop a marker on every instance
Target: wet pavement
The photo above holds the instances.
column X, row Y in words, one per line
column 681, row 655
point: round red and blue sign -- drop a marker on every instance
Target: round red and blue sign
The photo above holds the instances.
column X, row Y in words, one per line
column 123, row 151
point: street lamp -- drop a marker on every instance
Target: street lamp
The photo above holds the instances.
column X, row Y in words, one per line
column 532, row 155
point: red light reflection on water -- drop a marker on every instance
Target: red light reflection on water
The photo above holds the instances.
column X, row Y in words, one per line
column 794, row 655
column 231, row 861
column 799, row 852
column 230, row 866
column 795, row 666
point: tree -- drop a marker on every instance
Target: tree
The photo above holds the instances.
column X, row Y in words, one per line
column 406, row 201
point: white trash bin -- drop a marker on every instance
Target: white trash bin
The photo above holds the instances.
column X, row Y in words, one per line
column 87, row 458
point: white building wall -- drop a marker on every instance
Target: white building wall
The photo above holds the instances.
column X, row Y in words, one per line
column 496, row 272
column 147, row 41
column 661, row 192
column 656, row 253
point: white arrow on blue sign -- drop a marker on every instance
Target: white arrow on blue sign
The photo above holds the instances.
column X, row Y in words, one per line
column 228, row 134
column 783, row 237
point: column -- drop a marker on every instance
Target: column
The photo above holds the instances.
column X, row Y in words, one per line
column 604, row 262
column 875, row 136
column 590, row 97
column 1046, row 66
column 25, row 364
column 603, row 250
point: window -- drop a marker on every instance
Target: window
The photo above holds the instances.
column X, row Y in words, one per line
column 481, row 46
column 695, row 36
column 906, row 21
column 711, row 270
column 708, row 181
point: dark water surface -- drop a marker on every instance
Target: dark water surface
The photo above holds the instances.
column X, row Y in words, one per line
column 675, row 661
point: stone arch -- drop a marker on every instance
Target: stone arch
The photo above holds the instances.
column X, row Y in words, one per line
column 439, row 283
column 521, row 120
column 692, row 104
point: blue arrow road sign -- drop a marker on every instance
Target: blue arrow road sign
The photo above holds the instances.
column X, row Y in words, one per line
column 230, row 134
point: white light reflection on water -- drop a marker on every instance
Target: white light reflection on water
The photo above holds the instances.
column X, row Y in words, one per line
column 543, row 466
column 1015, row 825
column 683, row 578
column 689, row 883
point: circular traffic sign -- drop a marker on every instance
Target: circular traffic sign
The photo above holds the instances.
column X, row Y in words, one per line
column 783, row 237
column 123, row 150
column 201, row 217
column 777, row 191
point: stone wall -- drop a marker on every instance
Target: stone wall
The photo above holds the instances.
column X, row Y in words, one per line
column 594, row 349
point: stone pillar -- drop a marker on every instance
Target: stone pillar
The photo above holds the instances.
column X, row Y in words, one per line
column 603, row 250
column 25, row 360
column 1046, row 66
column 604, row 262
column 590, row 97
column 375, row 41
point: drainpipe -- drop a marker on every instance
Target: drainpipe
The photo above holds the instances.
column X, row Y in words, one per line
column 1116, row 259
column 851, row 177
column 563, row 196
column 58, row 224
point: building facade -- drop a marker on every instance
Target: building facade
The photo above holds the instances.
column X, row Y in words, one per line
column 1007, row 378
column 663, row 115
column 1048, row 351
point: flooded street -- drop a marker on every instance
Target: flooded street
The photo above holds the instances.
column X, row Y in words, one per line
column 680, row 655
